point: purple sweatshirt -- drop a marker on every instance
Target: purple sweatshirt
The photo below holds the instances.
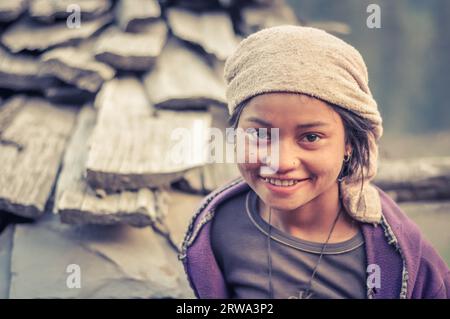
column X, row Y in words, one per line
column 409, row 266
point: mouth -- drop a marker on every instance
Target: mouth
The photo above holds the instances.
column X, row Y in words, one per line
column 282, row 186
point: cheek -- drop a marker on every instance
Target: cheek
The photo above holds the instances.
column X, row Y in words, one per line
column 324, row 166
column 248, row 158
column 248, row 171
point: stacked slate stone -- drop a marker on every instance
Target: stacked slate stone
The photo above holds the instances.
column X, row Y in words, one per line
column 90, row 92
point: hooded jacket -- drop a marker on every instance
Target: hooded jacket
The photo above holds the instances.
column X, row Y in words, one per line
column 409, row 266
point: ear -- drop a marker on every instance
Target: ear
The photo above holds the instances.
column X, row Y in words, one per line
column 348, row 149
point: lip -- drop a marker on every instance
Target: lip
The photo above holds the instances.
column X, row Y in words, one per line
column 283, row 190
column 282, row 178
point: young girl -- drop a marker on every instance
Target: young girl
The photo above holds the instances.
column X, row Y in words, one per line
column 312, row 226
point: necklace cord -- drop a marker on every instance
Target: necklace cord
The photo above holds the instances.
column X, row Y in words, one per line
column 269, row 255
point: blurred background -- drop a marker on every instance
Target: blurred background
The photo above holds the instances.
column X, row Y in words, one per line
column 409, row 66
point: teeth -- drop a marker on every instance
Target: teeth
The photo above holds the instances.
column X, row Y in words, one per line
column 279, row 182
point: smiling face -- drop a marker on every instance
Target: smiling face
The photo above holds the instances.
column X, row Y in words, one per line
column 311, row 149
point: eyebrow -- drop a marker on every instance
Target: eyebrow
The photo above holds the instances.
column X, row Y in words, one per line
column 299, row 126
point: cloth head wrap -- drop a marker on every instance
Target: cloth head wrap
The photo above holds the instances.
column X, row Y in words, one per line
column 310, row 61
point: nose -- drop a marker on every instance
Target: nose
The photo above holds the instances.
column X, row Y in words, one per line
column 284, row 157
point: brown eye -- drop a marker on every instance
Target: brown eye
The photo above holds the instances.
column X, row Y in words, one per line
column 311, row 138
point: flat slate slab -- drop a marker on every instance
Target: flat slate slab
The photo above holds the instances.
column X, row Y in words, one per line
column 77, row 67
column 134, row 148
column 132, row 14
column 195, row 84
column 132, row 51
column 181, row 208
column 20, row 72
column 50, row 10
column 6, row 242
column 31, row 149
column 11, row 10
column 213, row 31
column 25, row 34
column 112, row 262
column 77, row 203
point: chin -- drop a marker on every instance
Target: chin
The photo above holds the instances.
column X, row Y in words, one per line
column 284, row 203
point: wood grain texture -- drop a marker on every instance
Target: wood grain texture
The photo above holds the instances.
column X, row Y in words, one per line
column 131, row 14
column 213, row 31
column 133, row 148
column 31, row 150
column 50, row 10
column 11, row 10
column 77, row 203
column 25, row 34
column 76, row 66
column 195, row 84
column 20, row 72
column 132, row 51
column 9, row 109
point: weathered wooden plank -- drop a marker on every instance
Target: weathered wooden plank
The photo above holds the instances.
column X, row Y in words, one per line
column 11, row 10
column 203, row 5
column 77, row 203
column 198, row 5
column 218, row 171
column 9, row 109
column 182, row 79
column 26, row 34
column 255, row 18
column 213, row 31
column 76, row 66
column 132, row 14
column 50, row 10
column 67, row 94
column 31, row 149
column 132, row 149
column 416, row 179
column 20, row 72
column 132, row 51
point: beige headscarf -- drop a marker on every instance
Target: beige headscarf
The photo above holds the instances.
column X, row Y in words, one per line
column 311, row 61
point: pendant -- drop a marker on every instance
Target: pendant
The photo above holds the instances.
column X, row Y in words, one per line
column 303, row 294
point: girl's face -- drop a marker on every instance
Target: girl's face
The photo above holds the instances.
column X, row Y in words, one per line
column 311, row 148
